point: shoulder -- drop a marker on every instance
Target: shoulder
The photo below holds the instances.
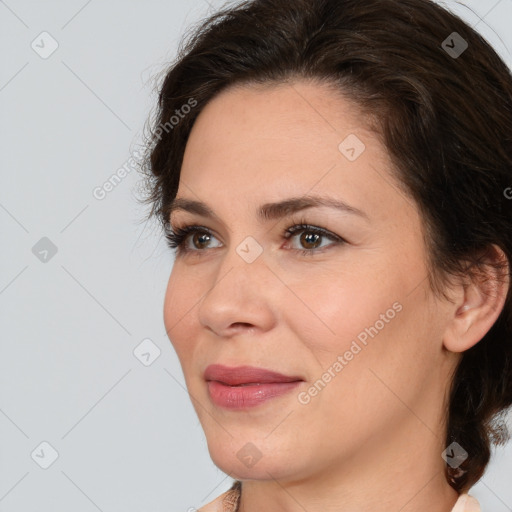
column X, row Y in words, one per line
column 218, row 504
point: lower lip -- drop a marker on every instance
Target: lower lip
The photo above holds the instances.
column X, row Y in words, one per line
column 242, row 397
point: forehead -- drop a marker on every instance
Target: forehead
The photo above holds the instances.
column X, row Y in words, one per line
column 302, row 111
column 270, row 142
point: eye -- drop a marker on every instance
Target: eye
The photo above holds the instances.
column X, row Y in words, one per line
column 201, row 236
column 177, row 238
column 310, row 237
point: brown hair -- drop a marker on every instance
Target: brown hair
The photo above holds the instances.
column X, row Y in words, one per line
column 445, row 118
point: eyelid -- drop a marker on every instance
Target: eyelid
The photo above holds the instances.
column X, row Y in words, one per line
column 305, row 226
column 291, row 222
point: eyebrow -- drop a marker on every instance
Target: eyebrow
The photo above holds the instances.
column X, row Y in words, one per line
column 270, row 211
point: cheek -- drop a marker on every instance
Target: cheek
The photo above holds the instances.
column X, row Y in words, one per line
column 180, row 298
column 368, row 315
column 331, row 309
column 381, row 348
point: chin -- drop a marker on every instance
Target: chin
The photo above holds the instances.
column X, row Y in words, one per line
column 250, row 461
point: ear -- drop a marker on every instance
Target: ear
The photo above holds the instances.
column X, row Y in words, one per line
column 478, row 302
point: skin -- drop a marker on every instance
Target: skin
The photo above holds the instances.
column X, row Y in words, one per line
column 372, row 438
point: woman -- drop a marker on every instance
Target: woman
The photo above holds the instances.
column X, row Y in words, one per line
column 334, row 177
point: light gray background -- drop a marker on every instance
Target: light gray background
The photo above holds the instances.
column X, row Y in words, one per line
column 126, row 434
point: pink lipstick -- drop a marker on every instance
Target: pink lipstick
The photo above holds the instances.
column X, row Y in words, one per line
column 242, row 387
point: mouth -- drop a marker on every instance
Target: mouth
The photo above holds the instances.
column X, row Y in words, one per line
column 246, row 375
column 243, row 387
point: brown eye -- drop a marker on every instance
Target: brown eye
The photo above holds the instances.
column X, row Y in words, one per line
column 311, row 237
column 310, row 240
column 179, row 239
column 200, row 240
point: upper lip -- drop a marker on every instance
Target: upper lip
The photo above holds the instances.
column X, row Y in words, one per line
column 235, row 375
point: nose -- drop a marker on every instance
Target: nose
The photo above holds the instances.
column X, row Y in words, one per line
column 240, row 297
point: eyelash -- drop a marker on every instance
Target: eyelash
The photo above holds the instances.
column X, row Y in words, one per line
column 176, row 238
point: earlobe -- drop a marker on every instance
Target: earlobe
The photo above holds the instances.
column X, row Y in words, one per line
column 479, row 303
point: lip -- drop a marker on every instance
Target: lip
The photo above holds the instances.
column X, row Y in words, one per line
column 242, row 387
column 237, row 375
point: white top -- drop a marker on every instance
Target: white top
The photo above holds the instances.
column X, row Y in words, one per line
column 465, row 503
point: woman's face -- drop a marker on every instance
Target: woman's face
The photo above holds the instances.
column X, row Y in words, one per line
column 348, row 314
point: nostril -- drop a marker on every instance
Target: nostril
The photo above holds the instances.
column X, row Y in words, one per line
column 241, row 324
